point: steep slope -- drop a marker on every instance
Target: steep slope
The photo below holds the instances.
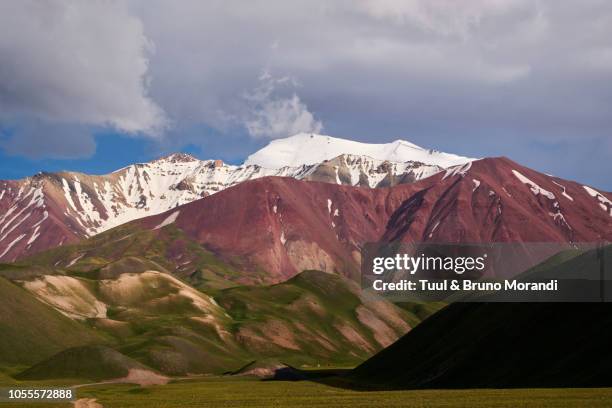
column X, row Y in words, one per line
column 289, row 225
column 51, row 209
column 501, row 345
column 498, row 200
column 281, row 226
column 363, row 171
column 309, row 148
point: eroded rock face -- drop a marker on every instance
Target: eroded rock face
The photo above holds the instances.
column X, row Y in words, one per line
column 308, row 255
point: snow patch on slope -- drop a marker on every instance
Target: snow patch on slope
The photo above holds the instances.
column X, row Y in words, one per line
column 169, row 220
column 564, row 193
column 34, row 236
column 604, row 203
column 535, row 189
column 476, row 184
column 8, row 248
column 460, row 170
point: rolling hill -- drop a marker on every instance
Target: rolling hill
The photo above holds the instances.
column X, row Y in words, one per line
column 157, row 320
column 31, row 331
column 91, row 363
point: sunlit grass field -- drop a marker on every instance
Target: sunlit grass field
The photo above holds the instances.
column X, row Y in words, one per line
column 230, row 393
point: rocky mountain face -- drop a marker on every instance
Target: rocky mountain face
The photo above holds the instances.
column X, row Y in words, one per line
column 51, row 209
column 290, row 225
column 498, row 200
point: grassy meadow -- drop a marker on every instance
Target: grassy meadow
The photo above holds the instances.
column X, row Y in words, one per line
column 245, row 392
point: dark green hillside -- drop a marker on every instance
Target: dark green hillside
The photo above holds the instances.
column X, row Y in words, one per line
column 93, row 363
column 499, row 345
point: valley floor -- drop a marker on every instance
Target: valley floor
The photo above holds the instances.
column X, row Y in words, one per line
column 230, row 393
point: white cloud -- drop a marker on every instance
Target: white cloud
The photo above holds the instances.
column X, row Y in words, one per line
column 270, row 115
column 83, row 62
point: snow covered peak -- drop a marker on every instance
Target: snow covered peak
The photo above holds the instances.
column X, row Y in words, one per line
column 309, row 148
column 177, row 158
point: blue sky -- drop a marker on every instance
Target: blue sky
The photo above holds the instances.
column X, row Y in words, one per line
column 94, row 86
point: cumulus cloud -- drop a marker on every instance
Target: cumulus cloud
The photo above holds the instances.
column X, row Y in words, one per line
column 272, row 116
column 74, row 62
column 482, row 77
column 388, row 68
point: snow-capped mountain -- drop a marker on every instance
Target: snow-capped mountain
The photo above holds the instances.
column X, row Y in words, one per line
column 291, row 226
column 50, row 209
column 309, row 148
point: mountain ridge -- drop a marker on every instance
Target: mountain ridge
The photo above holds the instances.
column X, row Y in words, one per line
column 291, row 225
column 52, row 209
column 68, row 206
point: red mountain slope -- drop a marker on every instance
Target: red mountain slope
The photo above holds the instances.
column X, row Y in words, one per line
column 498, row 200
column 283, row 226
column 33, row 217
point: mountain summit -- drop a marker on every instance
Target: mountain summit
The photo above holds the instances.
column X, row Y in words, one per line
column 310, row 148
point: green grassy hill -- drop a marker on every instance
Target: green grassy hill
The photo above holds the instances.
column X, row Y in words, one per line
column 323, row 315
column 313, row 320
column 91, row 363
column 161, row 299
column 31, row 331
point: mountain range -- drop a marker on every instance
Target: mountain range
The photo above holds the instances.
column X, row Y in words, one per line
column 51, row 209
column 184, row 266
column 409, row 192
column 291, row 225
